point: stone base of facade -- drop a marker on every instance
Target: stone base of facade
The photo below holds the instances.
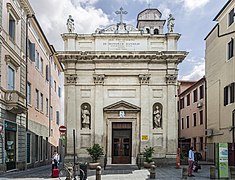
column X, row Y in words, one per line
column 164, row 161
column 21, row 165
column 2, row 168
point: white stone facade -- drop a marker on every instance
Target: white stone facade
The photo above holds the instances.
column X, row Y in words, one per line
column 121, row 75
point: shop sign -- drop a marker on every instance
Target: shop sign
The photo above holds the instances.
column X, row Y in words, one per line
column 223, row 160
column 10, row 126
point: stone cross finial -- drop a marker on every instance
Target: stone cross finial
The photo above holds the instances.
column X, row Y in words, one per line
column 121, row 12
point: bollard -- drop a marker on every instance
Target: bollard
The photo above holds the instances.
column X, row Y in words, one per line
column 212, row 172
column 232, row 172
column 153, row 172
column 98, row 173
column 184, row 173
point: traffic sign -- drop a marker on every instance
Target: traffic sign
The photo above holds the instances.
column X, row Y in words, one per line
column 62, row 129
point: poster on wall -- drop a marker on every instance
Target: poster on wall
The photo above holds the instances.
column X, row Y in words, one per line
column 223, row 160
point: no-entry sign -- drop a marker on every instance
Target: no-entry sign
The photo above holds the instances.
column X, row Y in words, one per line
column 62, row 129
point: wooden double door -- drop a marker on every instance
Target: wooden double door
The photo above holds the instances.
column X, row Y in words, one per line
column 121, row 143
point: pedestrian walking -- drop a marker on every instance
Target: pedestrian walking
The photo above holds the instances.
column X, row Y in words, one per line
column 55, row 160
column 190, row 162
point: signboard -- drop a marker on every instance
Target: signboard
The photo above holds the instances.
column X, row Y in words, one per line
column 223, row 160
column 9, row 126
column 62, row 129
column 145, row 138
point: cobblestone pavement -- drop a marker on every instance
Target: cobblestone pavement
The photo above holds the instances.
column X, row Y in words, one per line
column 111, row 173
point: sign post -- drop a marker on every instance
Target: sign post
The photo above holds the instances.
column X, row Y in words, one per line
column 62, row 130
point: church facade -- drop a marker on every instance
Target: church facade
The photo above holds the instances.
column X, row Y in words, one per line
column 121, row 88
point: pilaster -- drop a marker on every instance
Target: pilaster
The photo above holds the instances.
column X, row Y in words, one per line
column 145, row 110
column 99, row 101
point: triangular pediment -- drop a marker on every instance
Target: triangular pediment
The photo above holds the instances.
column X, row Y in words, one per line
column 122, row 106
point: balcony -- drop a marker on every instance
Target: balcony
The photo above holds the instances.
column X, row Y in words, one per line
column 14, row 100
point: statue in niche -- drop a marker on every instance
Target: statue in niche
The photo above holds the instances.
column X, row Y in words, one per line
column 170, row 23
column 86, row 116
column 157, row 117
column 70, row 24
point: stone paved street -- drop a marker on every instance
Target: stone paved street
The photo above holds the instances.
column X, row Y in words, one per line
column 114, row 173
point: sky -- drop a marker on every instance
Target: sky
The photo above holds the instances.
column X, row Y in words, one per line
column 193, row 20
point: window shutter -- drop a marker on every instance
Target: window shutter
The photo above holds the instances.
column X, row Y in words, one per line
column 47, row 72
column 225, row 95
column 232, row 93
column 32, row 52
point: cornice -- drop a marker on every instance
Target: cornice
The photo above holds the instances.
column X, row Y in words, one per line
column 103, row 57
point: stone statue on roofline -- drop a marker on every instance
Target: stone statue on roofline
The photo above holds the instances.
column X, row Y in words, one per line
column 170, row 23
column 70, row 24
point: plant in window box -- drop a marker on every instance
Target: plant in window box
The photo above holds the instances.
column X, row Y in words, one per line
column 96, row 151
column 148, row 156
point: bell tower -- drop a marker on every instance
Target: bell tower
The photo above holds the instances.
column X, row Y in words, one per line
column 149, row 21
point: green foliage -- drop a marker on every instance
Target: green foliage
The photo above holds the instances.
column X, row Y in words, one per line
column 96, row 151
column 148, row 154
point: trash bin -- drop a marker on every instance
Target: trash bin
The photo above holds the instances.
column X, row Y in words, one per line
column 83, row 173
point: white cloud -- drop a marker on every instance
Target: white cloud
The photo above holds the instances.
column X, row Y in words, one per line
column 197, row 72
column 53, row 19
column 191, row 5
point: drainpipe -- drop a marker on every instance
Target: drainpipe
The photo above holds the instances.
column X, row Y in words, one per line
column 49, row 98
column 26, row 74
column 206, row 114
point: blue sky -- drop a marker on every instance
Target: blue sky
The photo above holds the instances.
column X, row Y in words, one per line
column 194, row 20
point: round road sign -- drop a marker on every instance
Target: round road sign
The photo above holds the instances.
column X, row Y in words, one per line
column 62, row 129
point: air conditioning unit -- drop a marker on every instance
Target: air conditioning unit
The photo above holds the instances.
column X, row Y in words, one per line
column 209, row 132
column 200, row 104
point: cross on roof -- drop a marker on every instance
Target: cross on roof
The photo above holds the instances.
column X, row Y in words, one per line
column 121, row 12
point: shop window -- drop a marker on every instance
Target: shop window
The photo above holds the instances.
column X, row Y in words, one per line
column 41, row 148
column 28, row 148
column 46, row 149
column 36, row 148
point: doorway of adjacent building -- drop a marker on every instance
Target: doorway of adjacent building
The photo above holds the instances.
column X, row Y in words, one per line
column 10, row 145
column 121, row 143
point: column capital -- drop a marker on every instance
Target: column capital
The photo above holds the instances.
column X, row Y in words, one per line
column 98, row 78
column 71, row 79
column 144, row 78
column 171, row 78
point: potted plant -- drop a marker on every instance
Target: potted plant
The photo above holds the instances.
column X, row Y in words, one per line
column 148, row 156
column 96, row 151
